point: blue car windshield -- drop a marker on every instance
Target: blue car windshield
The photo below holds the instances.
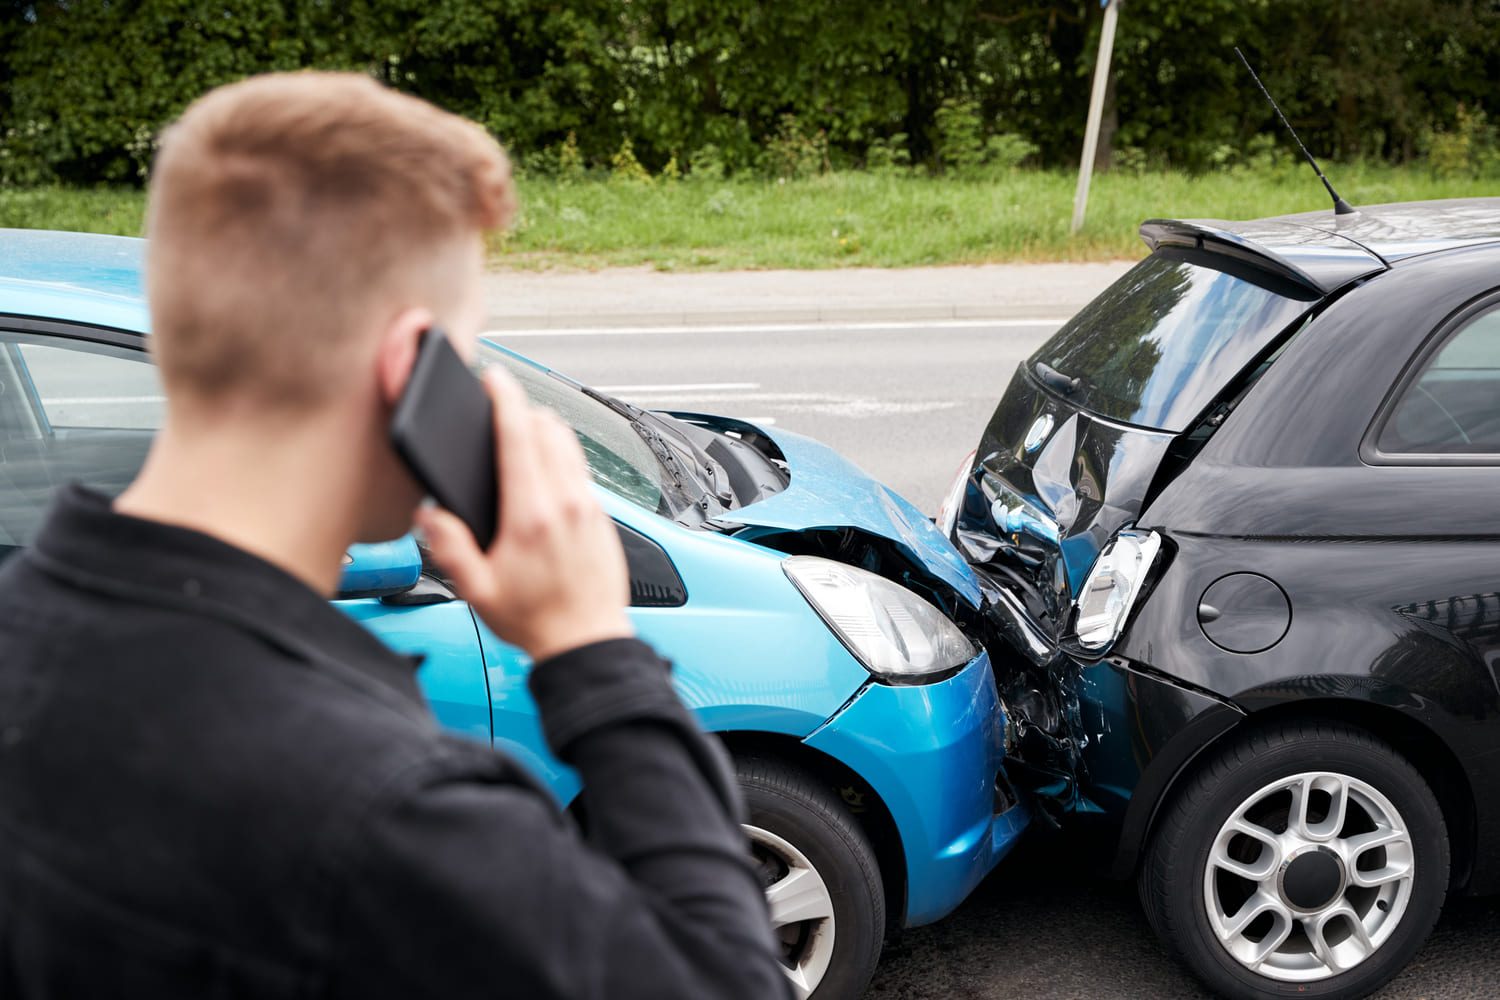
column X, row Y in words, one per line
column 1160, row 344
column 619, row 458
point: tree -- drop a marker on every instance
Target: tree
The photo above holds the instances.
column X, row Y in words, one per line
column 85, row 84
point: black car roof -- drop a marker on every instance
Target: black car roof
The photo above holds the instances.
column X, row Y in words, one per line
column 1322, row 251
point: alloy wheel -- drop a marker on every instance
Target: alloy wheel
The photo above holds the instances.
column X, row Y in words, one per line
column 801, row 908
column 1309, row 876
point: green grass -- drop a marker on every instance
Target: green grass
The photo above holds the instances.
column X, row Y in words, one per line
column 844, row 219
column 114, row 211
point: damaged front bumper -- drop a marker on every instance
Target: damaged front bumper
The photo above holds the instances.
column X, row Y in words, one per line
column 1038, row 685
column 1099, row 741
column 933, row 754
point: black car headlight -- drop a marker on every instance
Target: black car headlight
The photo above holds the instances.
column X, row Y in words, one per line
column 896, row 635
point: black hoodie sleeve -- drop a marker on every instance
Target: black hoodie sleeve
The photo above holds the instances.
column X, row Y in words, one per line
column 468, row 882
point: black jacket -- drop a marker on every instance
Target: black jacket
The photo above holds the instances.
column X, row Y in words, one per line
column 212, row 783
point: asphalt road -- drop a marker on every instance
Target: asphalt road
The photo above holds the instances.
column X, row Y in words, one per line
column 1040, row 928
column 907, row 402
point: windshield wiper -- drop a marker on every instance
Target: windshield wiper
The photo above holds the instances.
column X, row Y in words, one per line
column 697, row 498
column 654, row 441
column 714, row 475
column 712, row 470
column 663, row 453
column 1050, row 376
column 621, row 407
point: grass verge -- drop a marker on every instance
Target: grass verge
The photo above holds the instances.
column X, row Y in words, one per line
column 113, row 211
column 843, row 219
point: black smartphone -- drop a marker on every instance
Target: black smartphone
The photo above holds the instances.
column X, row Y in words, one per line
column 444, row 430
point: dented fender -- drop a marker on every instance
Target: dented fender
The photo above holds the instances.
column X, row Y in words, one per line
column 828, row 492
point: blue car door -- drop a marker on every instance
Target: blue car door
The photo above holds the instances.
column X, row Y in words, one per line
column 452, row 674
column 76, row 409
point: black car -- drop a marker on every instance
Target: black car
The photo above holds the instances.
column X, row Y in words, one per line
column 1240, row 521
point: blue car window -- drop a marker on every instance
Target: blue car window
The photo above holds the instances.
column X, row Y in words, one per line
column 618, row 457
column 81, row 411
column 1160, row 344
column 77, row 388
column 70, row 411
column 1453, row 406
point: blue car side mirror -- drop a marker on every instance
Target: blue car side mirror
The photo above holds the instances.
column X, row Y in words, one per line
column 380, row 569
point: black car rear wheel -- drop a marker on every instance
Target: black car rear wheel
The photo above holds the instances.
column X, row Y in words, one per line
column 1307, row 860
column 821, row 879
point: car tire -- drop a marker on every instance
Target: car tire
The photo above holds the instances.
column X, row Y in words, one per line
column 1259, row 883
column 822, row 881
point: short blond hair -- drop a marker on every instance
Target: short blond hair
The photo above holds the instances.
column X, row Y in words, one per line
column 286, row 211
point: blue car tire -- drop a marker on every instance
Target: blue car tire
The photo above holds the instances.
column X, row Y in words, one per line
column 821, row 878
column 1307, row 859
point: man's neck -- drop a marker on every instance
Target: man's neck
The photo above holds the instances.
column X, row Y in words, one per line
column 279, row 497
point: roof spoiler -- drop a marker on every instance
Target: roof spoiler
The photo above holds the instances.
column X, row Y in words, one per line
column 1210, row 238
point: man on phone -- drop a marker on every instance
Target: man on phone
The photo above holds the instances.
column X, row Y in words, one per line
column 212, row 783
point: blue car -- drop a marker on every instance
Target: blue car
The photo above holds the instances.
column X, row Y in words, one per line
column 820, row 626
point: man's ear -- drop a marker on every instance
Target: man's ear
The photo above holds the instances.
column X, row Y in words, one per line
column 398, row 351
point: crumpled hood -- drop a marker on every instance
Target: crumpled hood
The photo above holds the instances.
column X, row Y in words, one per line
column 828, row 491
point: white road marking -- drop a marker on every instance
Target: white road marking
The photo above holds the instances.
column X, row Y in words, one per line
column 678, row 389
column 687, row 329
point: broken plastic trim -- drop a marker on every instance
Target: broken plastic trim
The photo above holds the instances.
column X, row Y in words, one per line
column 1015, row 625
column 1037, row 682
column 1046, row 735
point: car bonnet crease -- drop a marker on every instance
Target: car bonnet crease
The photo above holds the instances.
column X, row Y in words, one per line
column 829, row 493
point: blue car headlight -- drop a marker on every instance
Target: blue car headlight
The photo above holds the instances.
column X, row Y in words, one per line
column 899, row 637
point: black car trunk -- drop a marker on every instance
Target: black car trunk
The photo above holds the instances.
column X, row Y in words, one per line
column 1088, row 431
column 1052, row 485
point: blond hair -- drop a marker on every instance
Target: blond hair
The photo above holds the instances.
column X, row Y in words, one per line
column 290, row 212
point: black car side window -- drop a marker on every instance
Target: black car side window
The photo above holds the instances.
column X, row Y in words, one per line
column 70, row 411
column 1453, row 406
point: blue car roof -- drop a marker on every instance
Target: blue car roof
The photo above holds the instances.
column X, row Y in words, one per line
column 79, row 277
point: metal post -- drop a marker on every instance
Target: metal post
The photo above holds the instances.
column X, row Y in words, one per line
column 1096, row 112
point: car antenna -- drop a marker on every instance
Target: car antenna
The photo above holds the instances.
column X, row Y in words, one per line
column 1340, row 206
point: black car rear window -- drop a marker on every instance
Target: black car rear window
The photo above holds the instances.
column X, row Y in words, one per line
column 1166, row 338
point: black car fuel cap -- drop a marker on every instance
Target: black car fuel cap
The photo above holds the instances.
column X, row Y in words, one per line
column 1244, row 613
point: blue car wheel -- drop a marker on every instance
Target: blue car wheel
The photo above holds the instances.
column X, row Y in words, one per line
column 822, row 882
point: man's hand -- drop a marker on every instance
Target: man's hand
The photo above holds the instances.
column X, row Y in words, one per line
column 554, row 578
